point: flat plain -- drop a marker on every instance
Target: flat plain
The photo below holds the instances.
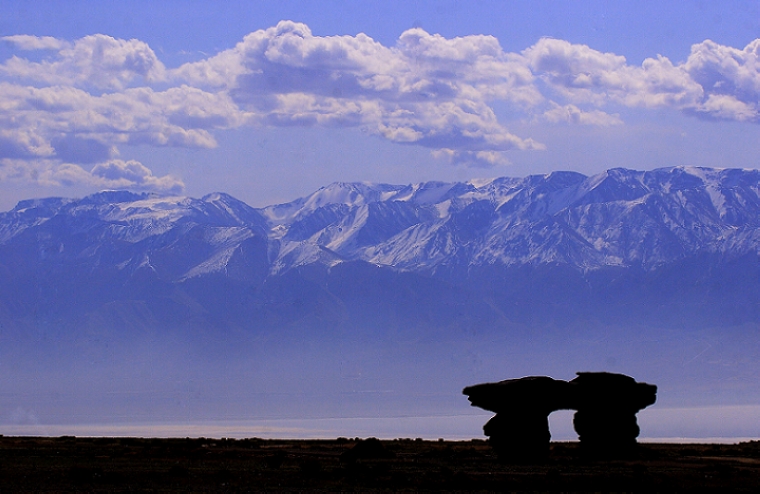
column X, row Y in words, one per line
column 105, row 464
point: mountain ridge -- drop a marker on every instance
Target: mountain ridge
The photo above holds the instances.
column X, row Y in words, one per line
column 362, row 299
column 582, row 235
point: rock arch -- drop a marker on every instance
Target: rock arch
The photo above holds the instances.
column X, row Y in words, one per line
column 606, row 405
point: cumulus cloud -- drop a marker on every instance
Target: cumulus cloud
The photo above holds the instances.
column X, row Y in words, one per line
column 28, row 42
column 23, row 143
column 730, row 78
column 715, row 81
column 570, row 65
column 573, row 114
column 427, row 90
column 581, row 74
column 479, row 159
column 726, row 70
column 71, row 123
column 118, row 174
column 68, row 109
column 99, row 61
column 54, row 135
column 728, row 107
column 112, row 174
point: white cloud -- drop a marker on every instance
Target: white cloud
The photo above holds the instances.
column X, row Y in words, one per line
column 93, row 61
column 658, row 83
column 180, row 116
column 113, row 174
column 74, row 103
column 475, row 65
column 727, row 107
column 575, row 66
column 118, row 174
column 581, row 74
column 479, row 159
column 726, row 70
column 23, row 143
column 93, row 94
column 730, row 78
column 427, row 90
column 28, row 42
column 573, row 114
column 716, row 81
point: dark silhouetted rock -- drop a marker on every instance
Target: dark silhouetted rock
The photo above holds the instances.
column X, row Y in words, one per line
column 606, row 406
column 605, row 420
column 519, row 436
column 534, row 392
column 520, row 429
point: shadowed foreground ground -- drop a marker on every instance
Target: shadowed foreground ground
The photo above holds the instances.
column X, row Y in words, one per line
column 167, row 465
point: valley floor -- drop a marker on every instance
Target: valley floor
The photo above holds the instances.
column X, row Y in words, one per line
column 205, row 465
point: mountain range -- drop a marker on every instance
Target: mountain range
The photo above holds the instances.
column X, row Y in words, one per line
column 677, row 245
column 359, row 283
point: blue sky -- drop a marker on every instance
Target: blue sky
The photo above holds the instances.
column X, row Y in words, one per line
column 270, row 100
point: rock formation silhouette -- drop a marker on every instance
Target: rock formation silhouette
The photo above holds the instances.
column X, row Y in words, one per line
column 606, row 406
column 520, row 429
column 605, row 419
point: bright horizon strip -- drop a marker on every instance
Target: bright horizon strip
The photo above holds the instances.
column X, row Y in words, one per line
column 657, row 426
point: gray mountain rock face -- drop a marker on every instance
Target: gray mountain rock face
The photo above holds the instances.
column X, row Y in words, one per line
column 676, row 245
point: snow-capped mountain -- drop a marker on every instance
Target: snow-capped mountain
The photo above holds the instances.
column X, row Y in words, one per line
column 617, row 218
column 622, row 243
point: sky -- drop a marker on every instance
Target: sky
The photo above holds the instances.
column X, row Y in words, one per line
column 270, row 100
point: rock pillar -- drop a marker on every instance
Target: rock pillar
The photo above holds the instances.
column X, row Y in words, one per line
column 520, row 429
column 605, row 420
column 606, row 406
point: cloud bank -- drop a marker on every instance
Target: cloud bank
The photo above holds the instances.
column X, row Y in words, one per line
column 67, row 109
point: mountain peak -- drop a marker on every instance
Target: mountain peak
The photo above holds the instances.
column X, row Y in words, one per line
column 619, row 217
column 541, row 236
column 48, row 203
column 115, row 196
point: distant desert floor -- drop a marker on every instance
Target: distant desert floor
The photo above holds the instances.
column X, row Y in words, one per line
column 107, row 464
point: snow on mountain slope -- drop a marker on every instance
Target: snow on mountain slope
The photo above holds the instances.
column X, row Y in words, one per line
column 28, row 214
column 340, row 193
column 680, row 244
column 617, row 218
column 177, row 237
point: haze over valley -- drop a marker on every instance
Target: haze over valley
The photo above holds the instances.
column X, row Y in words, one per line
column 374, row 299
